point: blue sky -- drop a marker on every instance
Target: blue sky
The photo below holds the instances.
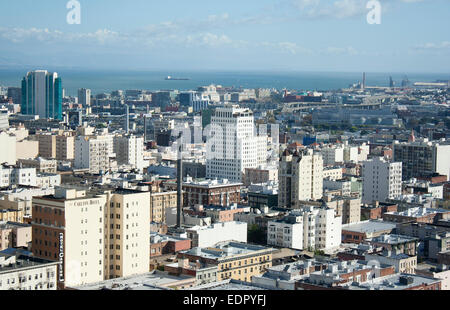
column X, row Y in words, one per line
column 281, row 35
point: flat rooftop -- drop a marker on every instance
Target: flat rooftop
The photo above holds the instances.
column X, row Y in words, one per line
column 393, row 239
column 226, row 249
column 148, row 281
column 229, row 285
column 22, row 262
column 392, row 282
column 369, row 226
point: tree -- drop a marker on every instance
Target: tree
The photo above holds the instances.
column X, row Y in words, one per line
column 256, row 235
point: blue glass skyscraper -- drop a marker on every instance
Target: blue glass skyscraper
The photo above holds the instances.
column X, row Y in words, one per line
column 42, row 94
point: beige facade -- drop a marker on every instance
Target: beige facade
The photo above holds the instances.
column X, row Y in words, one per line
column 60, row 146
column 100, row 236
column 14, row 235
column 27, row 149
column 158, row 204
column 348, row 208
column 300, row 178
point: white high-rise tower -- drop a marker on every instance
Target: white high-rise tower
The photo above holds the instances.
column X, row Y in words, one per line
column 232, row 144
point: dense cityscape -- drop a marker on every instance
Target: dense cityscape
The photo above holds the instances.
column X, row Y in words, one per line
column 223, row 188
column 221, row 154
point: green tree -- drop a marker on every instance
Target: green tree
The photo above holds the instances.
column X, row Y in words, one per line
column 256, row 235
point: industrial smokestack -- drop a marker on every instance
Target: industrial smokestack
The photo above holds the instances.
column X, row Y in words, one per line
column 179, row 183
column 127, row 119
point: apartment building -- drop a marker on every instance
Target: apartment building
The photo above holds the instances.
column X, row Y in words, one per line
column 307, row 229
column 42, row 165
column 13, row 175
column 159, row 202
column 58, row 145
column 234, row 260
column 129, row 151
column 93, row 153
column 209, row 192
column 300, row 178
column 382, row 180
column 23, row 272
column 94, row 236
column 348, row 208
column 207, row 236
column 423, row 158
column 14, row 235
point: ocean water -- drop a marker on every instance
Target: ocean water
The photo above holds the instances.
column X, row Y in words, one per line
column 107, row 81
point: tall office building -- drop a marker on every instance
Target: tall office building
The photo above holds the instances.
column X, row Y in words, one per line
column 95, row 236
column 42, row 94
column 300, row 177
column 382, row 180
column 84, row 97
column 232, row 145
column 422, row 158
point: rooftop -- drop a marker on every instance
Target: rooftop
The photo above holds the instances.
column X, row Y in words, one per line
column 369, row 226
column 394, row 282
column 226, row 249
column 149, row 281
column 229, row 285
column 393, row 239
column 18, row 260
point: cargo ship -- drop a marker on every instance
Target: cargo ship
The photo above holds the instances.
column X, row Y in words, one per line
column 169, row 78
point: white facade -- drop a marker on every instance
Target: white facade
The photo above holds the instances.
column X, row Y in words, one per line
column 130, row 151
column 10, row 175
column 8, row 145
column 93, row 153
column 381, row 180
column 28, row 275
column 232, row 145
column 332, row 173
column 310, row 228
column 48, row 180
column 207, row 236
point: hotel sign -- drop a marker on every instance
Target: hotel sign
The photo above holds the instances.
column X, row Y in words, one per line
column 61, row 258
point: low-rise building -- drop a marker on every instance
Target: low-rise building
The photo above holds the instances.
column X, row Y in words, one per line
column 203, row 273
column 376, row 210
column 359, row 232
column 310, row 228
column 14, row 235
column 165, row 244
column 23, row 272
column 419, row 215
column 207, row 236
column 437, row 271
column 403, row 263
column 400, row 244
column 263, row 195
column 339, row 274
column 234, row 260
column 42, row 165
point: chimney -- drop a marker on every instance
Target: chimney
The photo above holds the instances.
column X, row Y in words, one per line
column 183, row 263
column 179, row 183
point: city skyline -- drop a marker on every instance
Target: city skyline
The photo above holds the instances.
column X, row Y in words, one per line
column 282, row 35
